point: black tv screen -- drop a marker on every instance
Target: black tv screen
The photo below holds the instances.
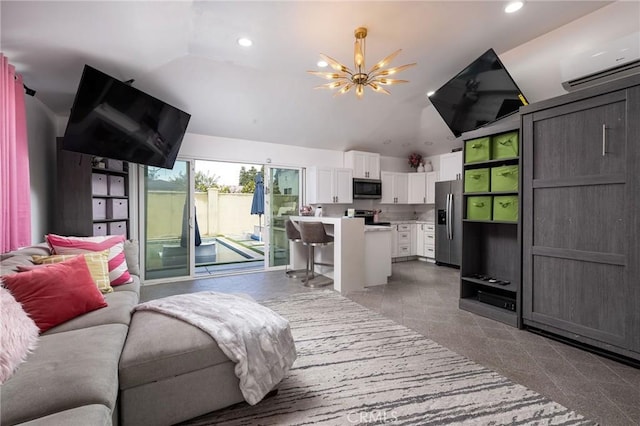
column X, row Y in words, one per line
column 111, row 119
column 480, row 94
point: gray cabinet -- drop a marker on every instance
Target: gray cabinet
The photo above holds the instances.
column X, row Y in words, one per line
column 581, row 221
column 490, row 273
column 90, row 201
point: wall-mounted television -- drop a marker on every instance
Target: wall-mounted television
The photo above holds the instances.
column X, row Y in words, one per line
column 112, row 119
column 478, row 95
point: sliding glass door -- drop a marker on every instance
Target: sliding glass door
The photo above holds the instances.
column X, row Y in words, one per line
column 167, row 221
column 283, row 188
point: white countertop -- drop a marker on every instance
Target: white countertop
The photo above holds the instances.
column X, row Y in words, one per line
column 411, row 221
column 376, row 228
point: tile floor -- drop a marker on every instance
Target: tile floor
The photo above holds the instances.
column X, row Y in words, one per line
column 424, row 297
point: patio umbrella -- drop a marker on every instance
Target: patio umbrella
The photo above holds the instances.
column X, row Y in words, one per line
column 257, row 204
column 185, row 227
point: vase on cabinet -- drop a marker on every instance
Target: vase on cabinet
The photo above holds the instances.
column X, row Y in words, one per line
column 427, row 167
column 420, row 168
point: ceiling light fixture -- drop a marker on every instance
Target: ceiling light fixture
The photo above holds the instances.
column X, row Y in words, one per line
column 245, row 42
column 322, row 64
column 345, row 79
column 513, row 6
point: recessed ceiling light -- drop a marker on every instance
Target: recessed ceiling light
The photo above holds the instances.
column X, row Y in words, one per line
column 387, row 142
column 430, row 93
column 513, row 6
column 244, row 42
column 322, row 64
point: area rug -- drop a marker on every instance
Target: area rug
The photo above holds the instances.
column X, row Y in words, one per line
column 355, row 366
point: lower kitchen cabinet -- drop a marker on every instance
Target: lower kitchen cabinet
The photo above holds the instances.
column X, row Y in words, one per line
column 425, row 241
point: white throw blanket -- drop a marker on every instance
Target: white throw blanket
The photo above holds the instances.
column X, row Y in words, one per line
column 257, row 339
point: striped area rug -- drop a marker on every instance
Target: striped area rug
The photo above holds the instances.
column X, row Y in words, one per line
column 356, row 367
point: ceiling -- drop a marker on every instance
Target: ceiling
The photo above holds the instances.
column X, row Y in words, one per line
column 186, row 53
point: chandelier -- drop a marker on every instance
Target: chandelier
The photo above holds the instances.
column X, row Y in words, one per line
column 344, row 79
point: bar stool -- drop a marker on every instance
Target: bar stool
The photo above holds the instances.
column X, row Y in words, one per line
column 313, row 235
column 294, row 236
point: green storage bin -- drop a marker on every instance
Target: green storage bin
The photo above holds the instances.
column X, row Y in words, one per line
column 477, row 150
column 476, row 180
column 479, row 208
column 504, row 146
column 505, row 208
column 504, row 178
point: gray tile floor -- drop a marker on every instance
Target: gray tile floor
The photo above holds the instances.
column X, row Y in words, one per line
column 424, row 297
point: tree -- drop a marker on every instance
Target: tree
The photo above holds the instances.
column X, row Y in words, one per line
column 247, row 179
column 203, row 181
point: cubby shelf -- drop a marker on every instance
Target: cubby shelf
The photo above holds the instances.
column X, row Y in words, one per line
column 491, row 248
column 494, row 162
column 505, row 316
column 509, row 287
column 491, row 193
column 501, row 222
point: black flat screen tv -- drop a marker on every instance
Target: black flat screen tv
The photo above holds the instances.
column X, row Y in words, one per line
column 111, row 119
column 480, row 94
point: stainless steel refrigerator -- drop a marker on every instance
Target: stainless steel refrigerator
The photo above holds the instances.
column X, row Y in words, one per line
column 449, row 222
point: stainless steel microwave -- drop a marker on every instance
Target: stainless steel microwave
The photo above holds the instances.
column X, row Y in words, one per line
column 367, row 188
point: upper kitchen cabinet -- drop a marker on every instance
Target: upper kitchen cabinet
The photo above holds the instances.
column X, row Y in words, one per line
column 432, row 178
column 365, row 165
column 329, row 186
column 417, row 188
column 395, row 188
column 451, row 166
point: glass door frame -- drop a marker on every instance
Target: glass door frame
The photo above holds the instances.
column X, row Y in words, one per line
column 142, row 210
column 268, row 170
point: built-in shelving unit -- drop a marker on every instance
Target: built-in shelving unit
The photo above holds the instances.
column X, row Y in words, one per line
column 92, row 195
column 491, row 248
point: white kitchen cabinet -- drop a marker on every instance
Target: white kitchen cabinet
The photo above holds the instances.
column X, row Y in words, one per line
column 417, row 188
column 425, row 240
column 394, row 241
column 419, row 239
column 395, row 188
column 329, row 186
column 377, row 256
column 431, row 179
column 404, row 242
column 365, row 165
column 451, row 166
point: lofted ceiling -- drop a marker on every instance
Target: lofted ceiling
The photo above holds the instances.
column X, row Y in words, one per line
column 186, row 53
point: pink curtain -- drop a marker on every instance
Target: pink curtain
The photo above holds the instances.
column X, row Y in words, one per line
column 15, row 201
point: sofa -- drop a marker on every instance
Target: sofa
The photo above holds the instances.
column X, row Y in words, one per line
column 109, row 366
column 71, row 378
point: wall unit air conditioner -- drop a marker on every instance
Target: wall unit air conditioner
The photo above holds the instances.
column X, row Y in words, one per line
column 615, row 59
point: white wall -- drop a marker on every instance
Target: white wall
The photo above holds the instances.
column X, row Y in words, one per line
column 41, row 133
column 535, row 65
column 245, row 151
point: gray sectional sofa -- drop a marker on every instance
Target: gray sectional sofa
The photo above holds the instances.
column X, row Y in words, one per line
column 111, row 367
column 72, row 376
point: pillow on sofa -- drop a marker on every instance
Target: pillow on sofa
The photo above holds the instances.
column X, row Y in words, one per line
column 97, row 263
column 118, row 270
column 131, row 253
column 57, row 293
column 18, row 335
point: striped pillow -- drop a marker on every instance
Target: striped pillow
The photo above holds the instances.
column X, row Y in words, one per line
column 97, row 263
column 118, row 270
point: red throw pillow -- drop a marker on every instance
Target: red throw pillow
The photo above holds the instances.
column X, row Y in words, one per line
column 57, row 293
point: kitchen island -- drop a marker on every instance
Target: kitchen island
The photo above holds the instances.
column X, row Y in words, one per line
column 361, row 254
column 377, row 255
column 346, row 254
